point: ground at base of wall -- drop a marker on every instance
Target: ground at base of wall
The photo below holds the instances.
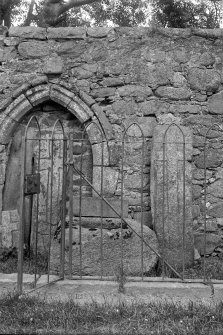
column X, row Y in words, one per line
column 213, row 267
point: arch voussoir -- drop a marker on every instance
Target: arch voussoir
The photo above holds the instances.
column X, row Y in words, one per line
column 38, row 94
column 13, row 113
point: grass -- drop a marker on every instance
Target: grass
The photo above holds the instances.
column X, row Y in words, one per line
column 10, row 264
column 28, row 315
column 213, row 269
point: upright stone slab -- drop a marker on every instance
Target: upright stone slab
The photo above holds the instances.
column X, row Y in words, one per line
column 167, row 195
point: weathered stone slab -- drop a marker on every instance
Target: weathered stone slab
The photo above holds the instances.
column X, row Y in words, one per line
column 167, row 194
column 111, row 246
column 34, row 49
column 28, row 32
column 99, row 32
column 91, row 206
column 66, row 33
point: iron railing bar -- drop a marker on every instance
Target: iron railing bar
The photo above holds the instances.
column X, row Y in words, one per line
column 21, row 221
column 184, row 204
column 63, row 208
column 141, row 203
column 70, row 204
column 51, row 208
column 102, row 209
column 80, row 205
column 163, row 207
column 138, row 235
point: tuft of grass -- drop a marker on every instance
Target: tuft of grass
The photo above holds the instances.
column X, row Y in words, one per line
column 29, row 315
column 121, row 278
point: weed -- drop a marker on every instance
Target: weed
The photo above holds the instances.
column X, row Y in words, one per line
column 121, row 278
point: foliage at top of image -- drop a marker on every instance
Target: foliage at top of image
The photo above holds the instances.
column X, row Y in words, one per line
column 165, row 13
column 187, row 13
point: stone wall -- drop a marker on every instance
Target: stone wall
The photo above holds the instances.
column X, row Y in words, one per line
column 117, row 76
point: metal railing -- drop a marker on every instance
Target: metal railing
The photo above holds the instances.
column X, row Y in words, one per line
column 131, row 141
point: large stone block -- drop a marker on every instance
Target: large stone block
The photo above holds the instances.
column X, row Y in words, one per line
column 28, row 32
column 66, row 33
column 34, row 49
column 91, row 207
column 172, row 220
column 110, row 257
column 204, row 79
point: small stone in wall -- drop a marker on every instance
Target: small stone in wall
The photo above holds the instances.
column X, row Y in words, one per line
column 212, row 241
column 215, row 103
column 216, row 189
column 173, row 93
column 179, row 80
column 216, row 210
column 213, row 159
column 53, row 65
column 207, row 59
column 134, row 91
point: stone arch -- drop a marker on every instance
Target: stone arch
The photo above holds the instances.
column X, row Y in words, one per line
column 33, row 97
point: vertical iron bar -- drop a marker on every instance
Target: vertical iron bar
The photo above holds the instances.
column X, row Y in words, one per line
column 37, row 214
column 22, row 217
column 51, row 208
column 184, row 201
column 141, row 200
column 71, row 161
column 63, row 214
column 47, row 194
column 102, row 187
column 80, row 204
column 205, row 202
column 122, row 195
column 163, row 208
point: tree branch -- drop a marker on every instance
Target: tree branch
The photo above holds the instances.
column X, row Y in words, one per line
column 29, row 14
column 52, row 9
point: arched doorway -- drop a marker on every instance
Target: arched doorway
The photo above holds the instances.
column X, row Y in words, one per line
column 47, row 114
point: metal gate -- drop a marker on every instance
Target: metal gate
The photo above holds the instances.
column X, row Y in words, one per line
column 40, row 198
column 56, row 190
